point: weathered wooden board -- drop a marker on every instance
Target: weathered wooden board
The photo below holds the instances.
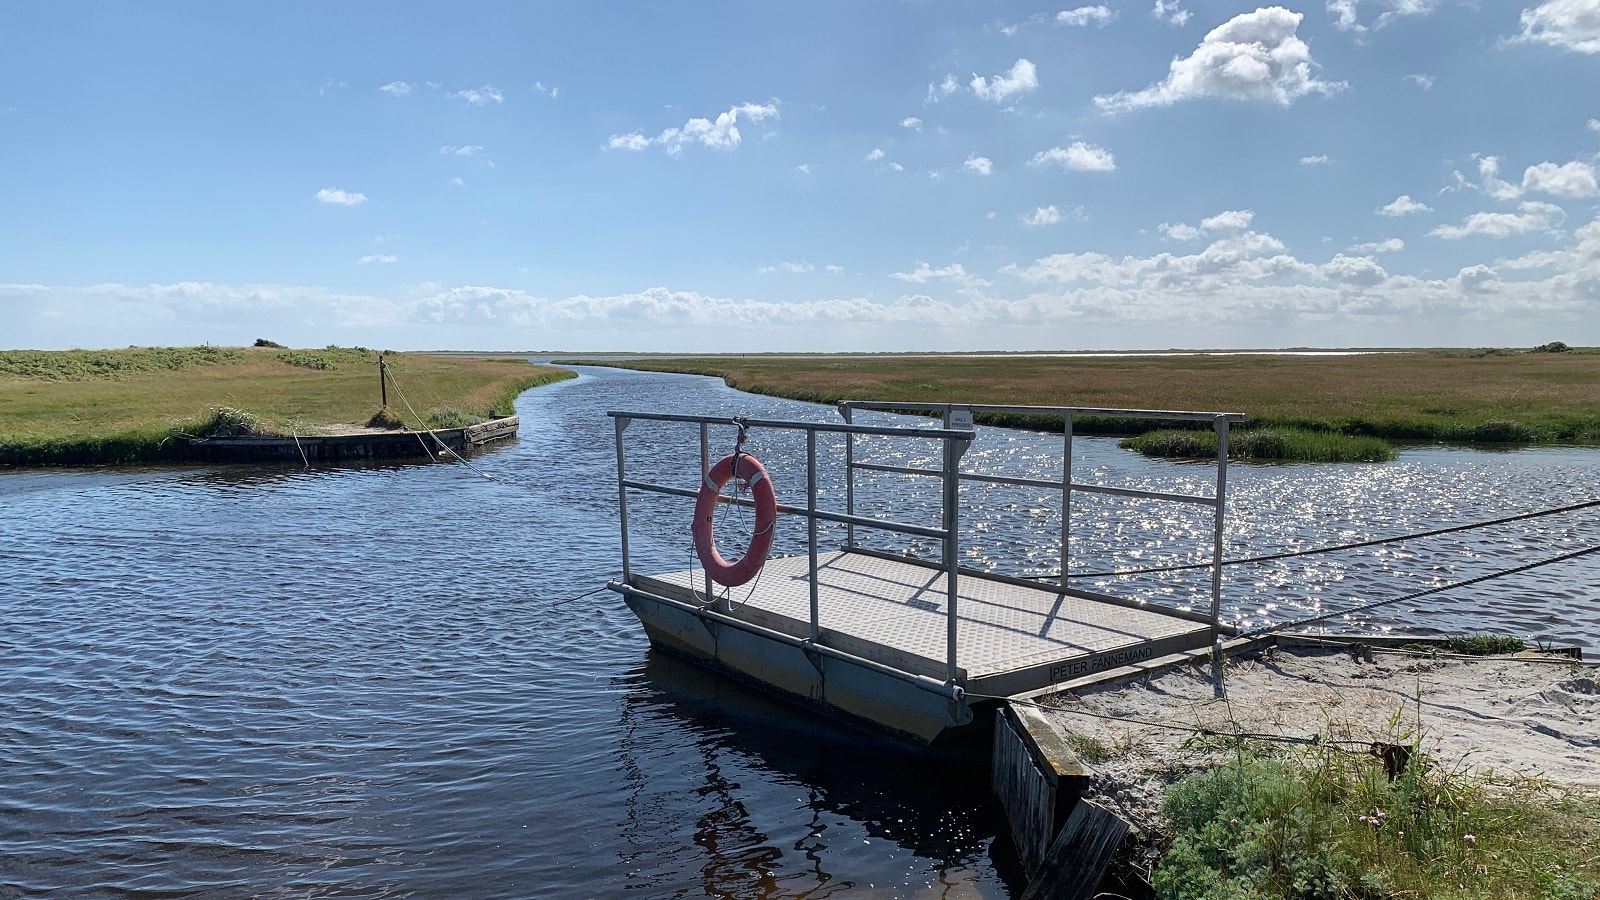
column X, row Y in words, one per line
column 1078, row 858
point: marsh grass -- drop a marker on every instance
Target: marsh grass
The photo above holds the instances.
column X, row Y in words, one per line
column 123, row 406
column 1282, row 444
column 1496, row 396
column 1323, row 822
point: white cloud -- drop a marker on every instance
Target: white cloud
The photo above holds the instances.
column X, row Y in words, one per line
column 1573, row 179
column 1422, row 81
column 1170, row 12
column 1566, row 24
column 634, row 141
column 794, row 268
column 803, row 168
column 1388, row 245
column 1084, row 16
column 479, row 96
column 1079, row 157
column 552, row 91
column 897, row 167
column 1043, row 215
column 1532, row 216
column 911, row 122
column 396, row 88
column 955, row 272
column 834, row 270
column 341, row 197
column 1320, row 159
column 1254, row 56
column 979, row 164
column 943, row 89
column 466, row 150
column 378, row 258
column 1019, row 79
column 458, row 181
column 1229, row 220
column 875, row 154
column 1403, row 205
column 1594, row 125
column 721, row 134
column 1346, row 16
column 1178, row 231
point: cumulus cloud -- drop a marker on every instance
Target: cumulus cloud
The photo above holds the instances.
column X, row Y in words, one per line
column 1573, row 179
column 803, row 168
column 1170, row 12
column 1388, row 245
column 1084, row 16
column 1320, row 159
column 1019, row 79
column 552, row 91
column 911, row 122
column 875, row 154
column 1403, row 205
column 1594, row 124
column 1228, row 220
column 341, row 197
column 1178, row 231
column 942, row 89
column 479, row 96
column 794, row 268
column 466, row 150
column 1079, row 157
column 458, row 181
column 1254, row 56
column 1043, row 215
column 1532, row 216
column 1566, row 24
column 979, row 164
column 1346, row 15
column 396, row 88
column 954, row 272
column 378, row 258
column 719, row 134
column 1422, row 81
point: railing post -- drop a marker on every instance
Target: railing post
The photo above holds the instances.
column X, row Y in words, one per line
column 1216, row 540
column 1066, row 496
column 849, row 476
column 622, row 498
column 953, row 448
column 705, row 469
column 811, row 526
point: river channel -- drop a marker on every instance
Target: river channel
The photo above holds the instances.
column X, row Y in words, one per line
column 394, row 681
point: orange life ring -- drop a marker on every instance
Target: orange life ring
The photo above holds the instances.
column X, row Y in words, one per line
column 749, row 470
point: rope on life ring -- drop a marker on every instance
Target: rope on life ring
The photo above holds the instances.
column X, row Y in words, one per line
column 752, row 476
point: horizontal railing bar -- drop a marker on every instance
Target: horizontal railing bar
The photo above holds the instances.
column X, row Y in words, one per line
column 822, row 515
column 895, row 470
column 1144, row 495
column 832, row 428
column 891, row 406
column 1020, row 482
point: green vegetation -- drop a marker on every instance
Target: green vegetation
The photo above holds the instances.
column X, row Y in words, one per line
column 1485, row 645
column 1330, row 823
column 1264, row 444
column 136, row 405
column 1466, row 396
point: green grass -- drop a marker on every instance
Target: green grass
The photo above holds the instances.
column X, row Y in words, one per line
column 1465, row 396
column 1328, row 823
column 135, row 405
column 1284, row 444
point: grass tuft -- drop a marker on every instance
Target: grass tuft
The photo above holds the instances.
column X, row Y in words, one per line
column 385, row 418
column 1281, row 444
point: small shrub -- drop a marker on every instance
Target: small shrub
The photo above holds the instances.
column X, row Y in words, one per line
column 450, row 417
column 227, row 421
column 1552, row 347
column 1283, row 444
column 263, row 342
column 1497, row 431
column 1485, row 645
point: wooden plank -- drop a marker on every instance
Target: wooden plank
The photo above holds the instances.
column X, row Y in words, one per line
column 1079, row 856
column 1026, row 793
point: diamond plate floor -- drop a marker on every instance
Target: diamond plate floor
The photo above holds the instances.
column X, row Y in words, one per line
column 1002, row 627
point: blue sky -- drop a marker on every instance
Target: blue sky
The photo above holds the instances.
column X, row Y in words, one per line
column 830, row 176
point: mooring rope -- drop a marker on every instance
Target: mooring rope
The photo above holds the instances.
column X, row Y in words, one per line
column 443, row 447
column 1270, row 557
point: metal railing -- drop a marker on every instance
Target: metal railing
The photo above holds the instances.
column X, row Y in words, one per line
column 954, row 443
column 1067, row 486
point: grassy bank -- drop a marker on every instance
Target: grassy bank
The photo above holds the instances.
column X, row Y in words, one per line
column 1464, row 396
column 134, row 405
column 1330, row 823
column 1281, row 444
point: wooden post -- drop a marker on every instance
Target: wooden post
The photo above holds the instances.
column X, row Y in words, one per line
column 383, row 381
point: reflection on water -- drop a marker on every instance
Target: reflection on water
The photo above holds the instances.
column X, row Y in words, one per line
column 388, row 680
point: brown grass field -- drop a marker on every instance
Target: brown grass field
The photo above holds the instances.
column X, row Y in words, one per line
column 1457, row 395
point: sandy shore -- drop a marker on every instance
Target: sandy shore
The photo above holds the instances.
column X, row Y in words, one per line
column 1510, row 716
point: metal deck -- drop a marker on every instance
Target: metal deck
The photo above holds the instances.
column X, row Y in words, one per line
column 1014, row 637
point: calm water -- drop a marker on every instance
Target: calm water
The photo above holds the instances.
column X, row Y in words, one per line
column 384, row 681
